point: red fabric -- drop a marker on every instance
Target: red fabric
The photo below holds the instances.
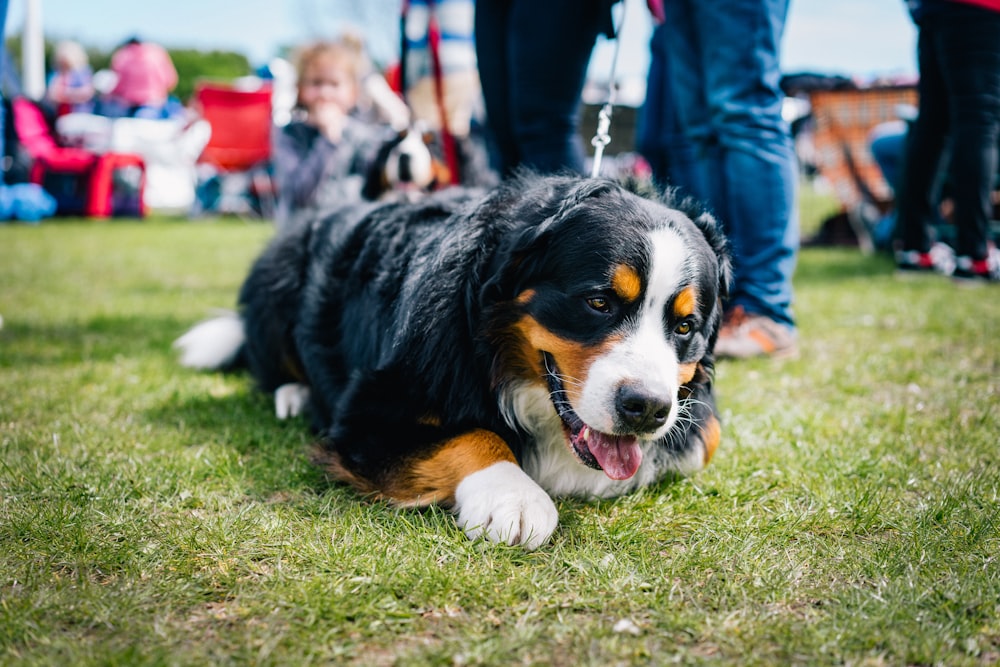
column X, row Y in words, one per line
column 656, row 9
column 993, row 5
column 31, row 127
column 241, row 125
column 50, row 158
column 69, row 159
column 447, row 139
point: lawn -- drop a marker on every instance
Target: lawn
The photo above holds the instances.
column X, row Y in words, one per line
column 151, row 515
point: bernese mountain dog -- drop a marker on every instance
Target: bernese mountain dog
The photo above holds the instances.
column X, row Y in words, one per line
column 403, row 167
column 489, row 350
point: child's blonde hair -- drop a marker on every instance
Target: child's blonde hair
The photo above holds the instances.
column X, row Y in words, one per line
column 71, row 54
column 347, row 52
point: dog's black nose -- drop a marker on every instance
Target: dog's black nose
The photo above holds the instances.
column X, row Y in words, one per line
column 640, row 410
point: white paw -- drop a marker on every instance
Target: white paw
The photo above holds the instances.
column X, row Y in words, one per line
column 290, row 399
column 503, row 504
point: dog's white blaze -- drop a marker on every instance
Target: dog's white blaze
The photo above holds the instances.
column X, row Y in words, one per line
column 421, row 166
column 644, row 358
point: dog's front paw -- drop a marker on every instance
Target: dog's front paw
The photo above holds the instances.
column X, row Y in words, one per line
column 503, row 504
column 290, row 399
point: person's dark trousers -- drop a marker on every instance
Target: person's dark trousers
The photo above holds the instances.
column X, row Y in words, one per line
column 958, row 55
column 533, row 58
column 657, row 127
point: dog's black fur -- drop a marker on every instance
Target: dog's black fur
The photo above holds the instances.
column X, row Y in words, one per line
column 415, row 326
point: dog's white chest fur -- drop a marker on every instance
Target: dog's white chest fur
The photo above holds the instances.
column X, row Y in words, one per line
column 559, row 472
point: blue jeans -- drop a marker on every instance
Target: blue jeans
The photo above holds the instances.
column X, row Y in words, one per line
column 958, row 54
column 726, row 141
column 533, row 59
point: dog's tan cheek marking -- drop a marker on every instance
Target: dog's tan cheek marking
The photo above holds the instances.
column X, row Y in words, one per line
column 433, row 479
column 574, row 359
column 626, row 283
column 711, row 435
column 685, row 303
column 686, row 372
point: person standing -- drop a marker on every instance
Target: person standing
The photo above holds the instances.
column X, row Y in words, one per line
column 727, row 144
column 958, row 56
column 533, row 59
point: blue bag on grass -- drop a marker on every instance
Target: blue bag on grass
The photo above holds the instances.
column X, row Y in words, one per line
column 26, row 202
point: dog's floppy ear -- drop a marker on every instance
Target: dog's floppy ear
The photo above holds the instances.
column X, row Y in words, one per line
column 534, row 208
column 557, row 204
column 712, row 231
column 376, row 184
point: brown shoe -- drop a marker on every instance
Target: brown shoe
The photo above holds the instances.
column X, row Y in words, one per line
column 745, row 335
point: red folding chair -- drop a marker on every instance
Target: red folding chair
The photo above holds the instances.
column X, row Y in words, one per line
column 93, row 172
column 241, row 135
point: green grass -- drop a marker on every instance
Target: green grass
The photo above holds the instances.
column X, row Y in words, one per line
column 153, row 515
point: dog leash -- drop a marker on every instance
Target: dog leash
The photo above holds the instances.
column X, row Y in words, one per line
column 437, row 72
column 602, row 137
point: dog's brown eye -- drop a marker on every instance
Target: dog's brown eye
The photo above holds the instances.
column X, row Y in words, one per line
column 683, row 329
column 600, row 304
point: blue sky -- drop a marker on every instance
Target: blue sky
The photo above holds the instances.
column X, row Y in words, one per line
column 854, row 37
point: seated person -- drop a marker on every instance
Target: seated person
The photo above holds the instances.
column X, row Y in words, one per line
column 321, row 156
column 71, row 87
column 144, row 77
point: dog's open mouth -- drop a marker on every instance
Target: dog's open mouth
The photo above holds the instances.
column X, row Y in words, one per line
column 618, row 456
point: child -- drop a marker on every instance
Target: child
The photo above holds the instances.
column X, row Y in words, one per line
column 70, row 88
column 321, row 156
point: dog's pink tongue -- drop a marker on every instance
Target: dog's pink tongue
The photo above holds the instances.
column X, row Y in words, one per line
column 619, row 456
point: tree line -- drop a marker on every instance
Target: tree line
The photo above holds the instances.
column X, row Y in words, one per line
column 191, row 64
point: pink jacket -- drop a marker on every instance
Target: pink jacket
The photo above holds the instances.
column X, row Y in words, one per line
column 146, row 75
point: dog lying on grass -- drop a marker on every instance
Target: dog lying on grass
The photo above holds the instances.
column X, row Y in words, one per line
column 490, row 350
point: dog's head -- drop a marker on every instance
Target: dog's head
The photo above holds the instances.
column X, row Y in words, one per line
column 610, row 303
column 403, row 166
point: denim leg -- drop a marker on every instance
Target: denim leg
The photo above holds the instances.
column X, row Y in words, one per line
column 739, row 155
column 693, row 156
column 656, row 125
column 969, row 48
column 550, row 49
column 492, row 17
column 533, row 59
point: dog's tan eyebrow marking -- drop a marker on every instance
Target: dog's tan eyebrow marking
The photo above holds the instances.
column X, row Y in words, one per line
column 525, row 296
column 686, row 302
column 626, row 283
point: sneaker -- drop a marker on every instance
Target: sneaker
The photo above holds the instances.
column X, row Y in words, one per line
column 745, row 335
column 986, row 269
column 939, row 259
